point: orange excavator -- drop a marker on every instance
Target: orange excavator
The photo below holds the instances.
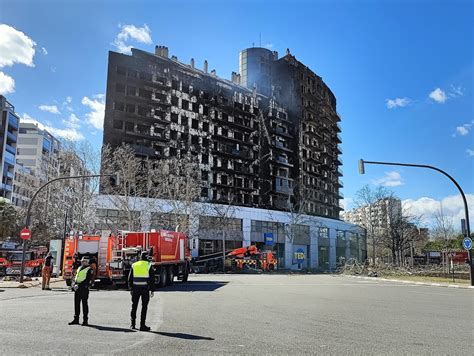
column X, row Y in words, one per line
column 250, row 257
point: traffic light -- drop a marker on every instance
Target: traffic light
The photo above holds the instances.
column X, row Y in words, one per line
column 114, row 180
column 361, row 166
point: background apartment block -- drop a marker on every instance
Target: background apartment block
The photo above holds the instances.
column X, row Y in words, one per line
column 38, row 150
column 9, row 122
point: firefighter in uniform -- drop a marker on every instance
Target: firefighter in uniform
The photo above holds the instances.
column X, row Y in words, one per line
column 141, row 281
column 80, row 286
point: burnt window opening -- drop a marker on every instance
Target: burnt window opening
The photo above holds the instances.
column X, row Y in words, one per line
column 205, row 110
column 195, row 124
column 185, row 104
column 185, row 88
column 174, row 101
column 204, row 192
column 204, row 175
column 205, row 143
column 216, row 130
column 118, row 124
column 173, row 152
column 205, row 159
column 143, row 111
column 214, row 194
column 205, row 126
column 132, row 73
column 129, row 126
column 255, row 199
column 130, row 108
column 247, row 107
column 195, row 107
column 195, row 140
column 225, row 132
column 238, row 136
column 120, row 88
column 225, row 116
column 121, row 70
column 131, row 91
column 175, row 84
column 119, row 106
column 146, row 76
column 184, row 138
column 143, row 93
column 184, row 120
column 174, row 135
column 174, row 118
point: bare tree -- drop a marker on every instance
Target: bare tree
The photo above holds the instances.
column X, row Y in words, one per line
column 175, row 181
column 401, row 231
column 367, row 209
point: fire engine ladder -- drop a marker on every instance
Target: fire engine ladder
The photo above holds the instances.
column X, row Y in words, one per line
column 103, row 246
column 117, row 251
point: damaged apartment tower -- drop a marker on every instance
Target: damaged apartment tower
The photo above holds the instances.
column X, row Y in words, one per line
column 267, row 138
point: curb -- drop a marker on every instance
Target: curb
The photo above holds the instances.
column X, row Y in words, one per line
column 29, row 284
column 458, row 286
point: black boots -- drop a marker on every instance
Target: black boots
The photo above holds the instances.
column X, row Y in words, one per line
column 85, row 322
column 143, row 327
column 132, row 324
column 74, row 322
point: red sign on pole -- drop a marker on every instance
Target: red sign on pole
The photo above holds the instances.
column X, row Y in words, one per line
column 25, row 234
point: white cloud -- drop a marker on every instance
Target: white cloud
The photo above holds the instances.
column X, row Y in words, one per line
column 97, row 106
column 463, row 130
column 53, row 69
column 452, row 206
column 53, row 109
column 15, row 47
column 67, row 104
column 438, row 95
column 44, row 50
column 72, row 122
column 7, row 84
column 269, row 45
column 456, row 91
column 68, row 133
column 391, row 179
column 397, row 102
column 131, row 32
column 470, row 152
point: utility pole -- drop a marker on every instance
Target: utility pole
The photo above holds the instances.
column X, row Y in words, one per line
column 466, row 209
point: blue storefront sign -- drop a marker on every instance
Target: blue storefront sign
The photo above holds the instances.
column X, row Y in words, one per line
column 268, row 237
column 299, row 256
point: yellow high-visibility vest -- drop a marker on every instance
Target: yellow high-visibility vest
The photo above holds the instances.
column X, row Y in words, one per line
column 141, row 272
column 81, row 274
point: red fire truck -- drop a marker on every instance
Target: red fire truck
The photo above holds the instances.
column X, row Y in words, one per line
column 168, row 250
column 34, row 260
column 95, row 247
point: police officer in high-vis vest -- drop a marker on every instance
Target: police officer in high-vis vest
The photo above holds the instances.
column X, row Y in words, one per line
column 141, row 281
column 80, row 286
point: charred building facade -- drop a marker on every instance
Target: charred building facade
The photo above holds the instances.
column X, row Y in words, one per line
column 268, row 138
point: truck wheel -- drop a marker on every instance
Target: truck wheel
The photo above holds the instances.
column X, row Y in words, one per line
column 68, row 282
column 163, row 276
column 170, row 276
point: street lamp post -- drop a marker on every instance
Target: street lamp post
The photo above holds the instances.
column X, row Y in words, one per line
column 30, row 204
column 466, row 210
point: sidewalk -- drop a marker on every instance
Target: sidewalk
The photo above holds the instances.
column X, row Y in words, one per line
column 36, row 281
column 412, row 282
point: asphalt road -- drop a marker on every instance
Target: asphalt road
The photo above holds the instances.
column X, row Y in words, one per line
column 247, row 314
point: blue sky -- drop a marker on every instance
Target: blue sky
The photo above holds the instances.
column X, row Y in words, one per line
column 382, row 59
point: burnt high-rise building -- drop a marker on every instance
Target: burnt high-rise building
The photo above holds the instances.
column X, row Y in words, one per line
column 267, row 138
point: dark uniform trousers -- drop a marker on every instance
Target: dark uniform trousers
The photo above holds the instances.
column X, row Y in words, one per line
column 137, row 293
column 81, row 295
